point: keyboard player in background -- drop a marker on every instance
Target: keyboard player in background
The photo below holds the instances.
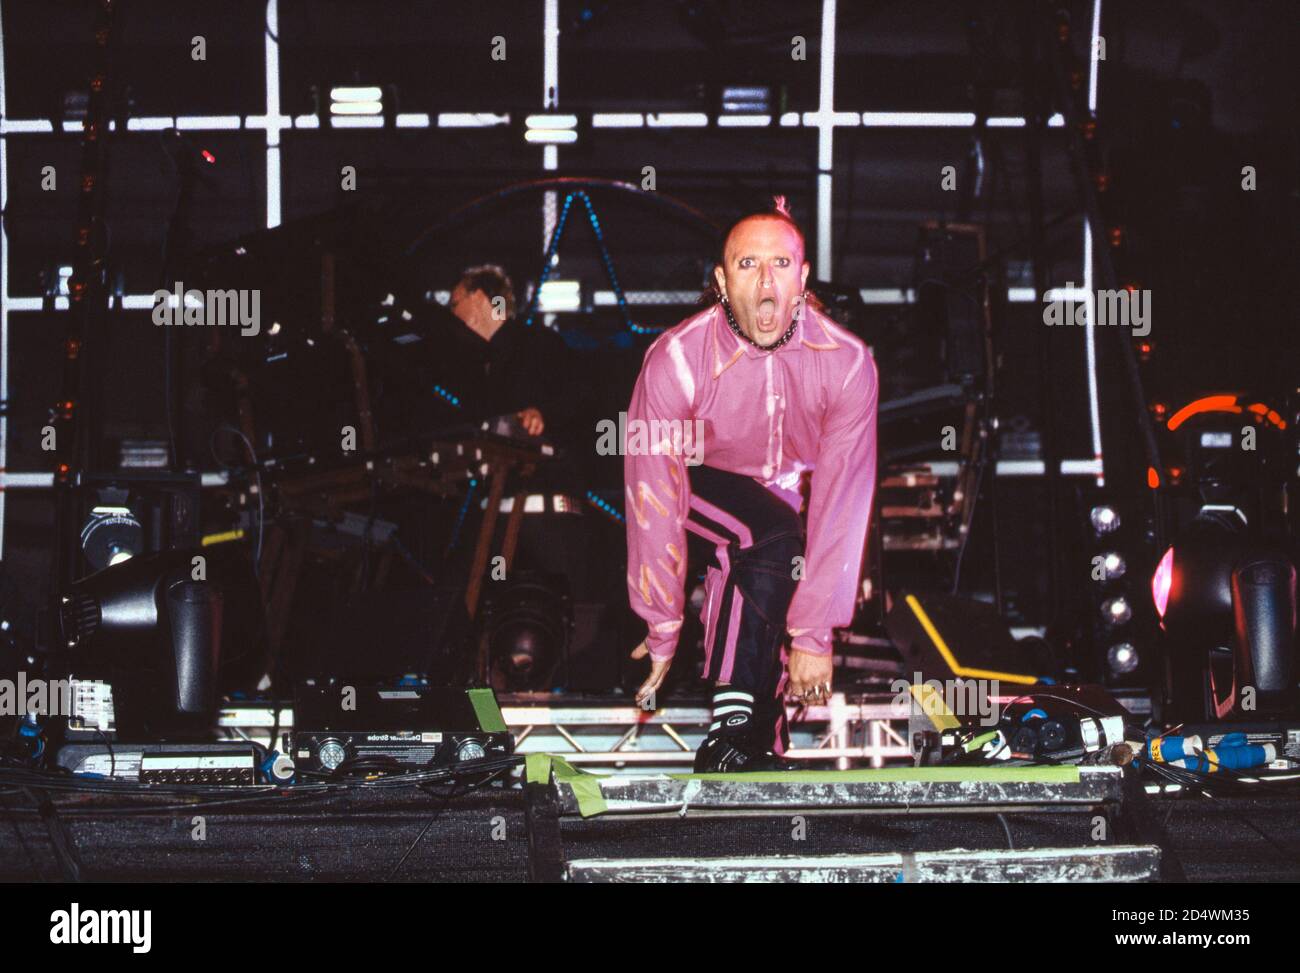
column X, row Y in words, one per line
column 504, row 367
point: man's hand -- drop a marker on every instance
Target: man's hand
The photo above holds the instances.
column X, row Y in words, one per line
column 810, row 677
column 532, row 421
column 645, row 696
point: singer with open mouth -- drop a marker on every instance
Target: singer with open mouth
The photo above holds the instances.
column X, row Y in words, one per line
column 783, row 391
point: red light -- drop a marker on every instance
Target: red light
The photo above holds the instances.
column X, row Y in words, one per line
column 1162, row 581
column 1210, row 403
column 208, row 157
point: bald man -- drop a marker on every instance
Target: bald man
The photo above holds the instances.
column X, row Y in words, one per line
column 779, row 391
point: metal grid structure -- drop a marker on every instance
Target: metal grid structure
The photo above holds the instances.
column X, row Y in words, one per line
column 864, row 731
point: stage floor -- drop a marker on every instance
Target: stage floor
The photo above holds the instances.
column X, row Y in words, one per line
column 483, row 837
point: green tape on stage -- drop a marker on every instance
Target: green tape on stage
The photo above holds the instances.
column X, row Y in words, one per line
column 591, row 800
column 538, row 768
column 486, row 709
column 1063, row 774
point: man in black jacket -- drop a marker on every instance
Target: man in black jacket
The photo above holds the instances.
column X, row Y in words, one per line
column 503, row 366
column 507, row 367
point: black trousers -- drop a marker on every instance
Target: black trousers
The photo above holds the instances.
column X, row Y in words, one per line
column 753, row 537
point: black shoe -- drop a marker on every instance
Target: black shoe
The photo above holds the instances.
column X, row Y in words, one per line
column 736, row 754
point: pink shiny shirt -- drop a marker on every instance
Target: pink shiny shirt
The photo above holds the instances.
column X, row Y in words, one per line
column 808, row 406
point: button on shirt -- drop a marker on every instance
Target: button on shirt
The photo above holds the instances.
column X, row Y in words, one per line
column 809, row 407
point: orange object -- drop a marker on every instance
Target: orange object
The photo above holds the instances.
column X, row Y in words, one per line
column 1208, row 403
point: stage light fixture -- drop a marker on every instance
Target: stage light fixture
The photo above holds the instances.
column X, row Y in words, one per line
column 1123, row 658
column 1116, row 610
column 110, row 536
column 1105, row 519
column 1113, row 566
column 551, row 129
column 527, row 632
column 747, row 99
column 542, row 136
column 76, row 105
column 559, row 295
column 142, row 454
column 356, row 100
column 155, row 636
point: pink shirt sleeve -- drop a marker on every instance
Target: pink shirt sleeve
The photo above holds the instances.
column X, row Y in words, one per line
column 839, row 508
column 657, row 492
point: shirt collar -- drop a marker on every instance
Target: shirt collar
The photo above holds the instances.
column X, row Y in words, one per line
column 728, row 347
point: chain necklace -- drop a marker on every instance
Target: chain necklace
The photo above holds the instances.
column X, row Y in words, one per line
column 789, row 332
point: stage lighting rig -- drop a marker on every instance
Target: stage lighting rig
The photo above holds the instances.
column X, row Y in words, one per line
column 1123, row 624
